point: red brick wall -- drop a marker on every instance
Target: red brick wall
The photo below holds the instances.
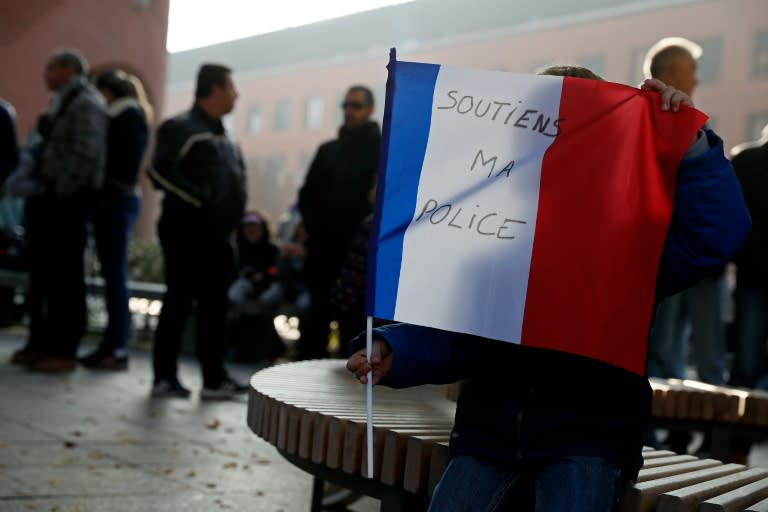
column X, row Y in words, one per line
column 126, row 33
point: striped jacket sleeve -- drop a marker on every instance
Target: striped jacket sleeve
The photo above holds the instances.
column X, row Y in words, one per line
column 183, row 163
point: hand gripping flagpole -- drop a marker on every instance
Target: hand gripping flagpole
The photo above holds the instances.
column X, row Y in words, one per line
column 369, row 395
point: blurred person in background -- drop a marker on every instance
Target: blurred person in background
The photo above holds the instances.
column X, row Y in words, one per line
column 253, row 329
column 750, row 362
column 59, row 175
column 116, row 208
column 333, row 202
column 695, row 314
column 203, row 176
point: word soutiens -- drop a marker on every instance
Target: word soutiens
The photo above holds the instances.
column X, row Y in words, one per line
column 504, row 112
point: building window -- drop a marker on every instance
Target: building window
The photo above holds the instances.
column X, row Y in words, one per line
column 254, row 165
column 760, row 55
column 708, row 69
column 282, row 115
column 276, row 163
column 255, row 121
column 594, row 63
column 305, row 160
column 229, row 125
column 313, row 113
column 755, row 124
column 636, row 58
column 379, row 99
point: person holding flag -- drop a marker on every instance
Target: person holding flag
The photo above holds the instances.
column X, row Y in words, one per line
column 551, row 417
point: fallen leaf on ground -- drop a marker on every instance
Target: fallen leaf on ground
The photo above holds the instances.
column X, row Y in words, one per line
column 213, row 425
column 168, row 471
column 76, row 433
column 259, row 493
column 230, row 465
column 190, row 474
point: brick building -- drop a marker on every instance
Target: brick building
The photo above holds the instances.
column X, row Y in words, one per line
column 129, row 34
column 291, row 82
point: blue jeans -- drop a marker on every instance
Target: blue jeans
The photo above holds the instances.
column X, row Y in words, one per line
column 700, row 307
column 749, row 363
column 112, row 222
column 567, row 484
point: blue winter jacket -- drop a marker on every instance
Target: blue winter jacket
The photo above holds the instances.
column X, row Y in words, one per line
column 522, row 403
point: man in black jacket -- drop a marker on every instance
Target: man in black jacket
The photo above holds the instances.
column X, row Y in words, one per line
column 750, row 364
column 335, row 198
column 202, row 174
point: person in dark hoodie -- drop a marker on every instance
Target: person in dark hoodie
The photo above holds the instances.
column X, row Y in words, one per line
column 203, row 176
column 335, row 198
column 115, row 210
column 545, row 430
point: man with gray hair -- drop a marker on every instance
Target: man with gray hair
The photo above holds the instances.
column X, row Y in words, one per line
column 697, row 310
column 59, row 174
column 673, row 60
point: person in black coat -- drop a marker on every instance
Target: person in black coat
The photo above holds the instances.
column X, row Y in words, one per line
column 335, row 198
column 202, row 174
column 253, row 330
column 115, row 209
column 750, row 363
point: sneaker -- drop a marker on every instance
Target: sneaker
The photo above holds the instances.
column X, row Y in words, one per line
column 169, row 389
column 228, row 388
column 101, row 361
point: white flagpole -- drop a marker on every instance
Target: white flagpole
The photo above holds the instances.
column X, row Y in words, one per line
column 369, row 395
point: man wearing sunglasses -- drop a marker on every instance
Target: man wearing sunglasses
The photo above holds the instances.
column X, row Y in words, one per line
column 335, row 198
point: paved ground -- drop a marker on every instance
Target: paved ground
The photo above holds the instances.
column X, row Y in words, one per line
column 91, row 441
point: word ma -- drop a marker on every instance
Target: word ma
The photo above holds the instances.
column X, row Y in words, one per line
column 492, row 160
column 486, row 224
column 504, row 112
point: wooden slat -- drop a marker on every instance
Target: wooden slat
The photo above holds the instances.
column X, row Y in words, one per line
column 642, row 497
column 688, row 498
column 417, row 457
column 395, row 451
column 657, row 454
column 737, row 499
column 437, row 464
column 666, row 461
column 758, row 507
column 646, row 475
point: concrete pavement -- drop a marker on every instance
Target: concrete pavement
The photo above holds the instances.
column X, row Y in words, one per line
column 95, row 441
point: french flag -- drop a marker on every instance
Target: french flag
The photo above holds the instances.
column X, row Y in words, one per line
column 523, row 208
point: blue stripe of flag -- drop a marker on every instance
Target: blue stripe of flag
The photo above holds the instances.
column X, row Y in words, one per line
column 407, row 118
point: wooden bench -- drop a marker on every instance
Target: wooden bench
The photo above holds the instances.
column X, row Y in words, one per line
column 720, row 411
column 313, row 412
column 94, row 285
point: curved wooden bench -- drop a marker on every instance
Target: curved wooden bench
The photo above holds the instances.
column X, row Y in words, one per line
column 720, row 411
column 313, row 412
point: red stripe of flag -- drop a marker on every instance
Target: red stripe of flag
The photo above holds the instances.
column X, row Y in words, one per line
column 605, row 204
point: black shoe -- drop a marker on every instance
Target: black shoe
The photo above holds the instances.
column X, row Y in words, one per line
column 99, row 360
column 229, row 388
column 26, row 357
column 169, row 389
